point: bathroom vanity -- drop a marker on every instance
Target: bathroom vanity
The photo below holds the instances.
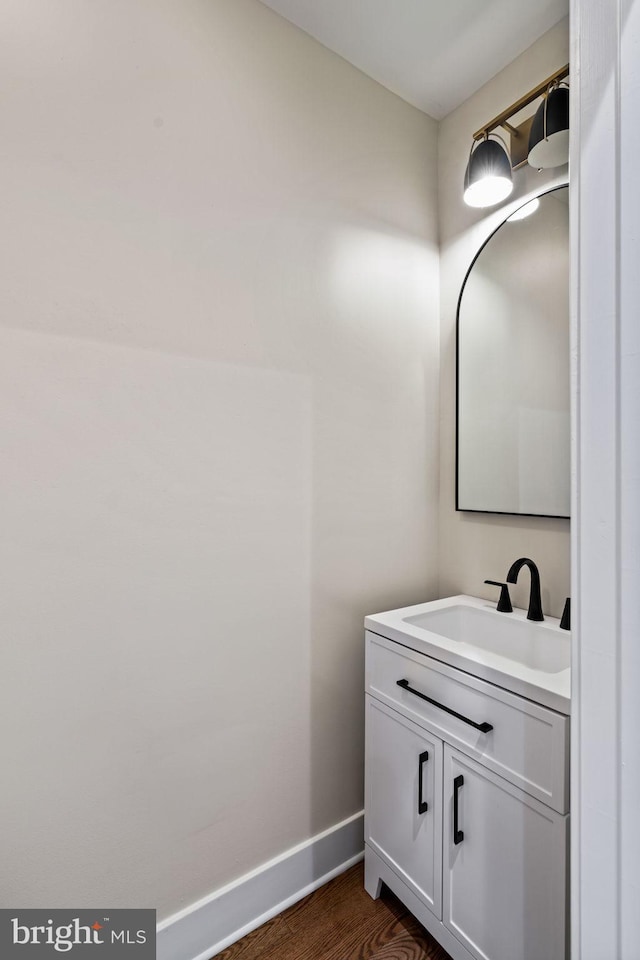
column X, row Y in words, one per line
column 467, row 775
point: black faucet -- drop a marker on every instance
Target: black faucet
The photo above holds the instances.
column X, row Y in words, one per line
column 535, row 603
column 504, row 603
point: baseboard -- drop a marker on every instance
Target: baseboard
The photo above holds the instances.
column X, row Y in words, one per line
column 205, row 928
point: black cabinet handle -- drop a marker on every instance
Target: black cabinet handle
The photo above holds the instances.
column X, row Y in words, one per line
column 482, row 727
column 423, row 806
column 458, row 835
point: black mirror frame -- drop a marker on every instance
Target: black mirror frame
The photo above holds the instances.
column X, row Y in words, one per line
column 459, row 509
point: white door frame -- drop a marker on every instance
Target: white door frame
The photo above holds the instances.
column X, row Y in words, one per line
column 605, row 213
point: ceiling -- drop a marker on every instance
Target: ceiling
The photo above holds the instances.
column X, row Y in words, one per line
column 432, row 54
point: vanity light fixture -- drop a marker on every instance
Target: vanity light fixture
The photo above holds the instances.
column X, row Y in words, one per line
column 549, row 134
column 541, row 140
column 488, row 178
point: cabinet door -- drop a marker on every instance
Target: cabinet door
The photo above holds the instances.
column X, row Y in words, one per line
column 403, row 800
column 504, row 859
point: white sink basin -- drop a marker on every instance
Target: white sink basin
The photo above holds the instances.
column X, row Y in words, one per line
column 529, row 658
column 529, row 643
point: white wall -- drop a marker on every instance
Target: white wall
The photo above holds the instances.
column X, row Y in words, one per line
column 605, row 786
column 474, row 546
column 218, row 429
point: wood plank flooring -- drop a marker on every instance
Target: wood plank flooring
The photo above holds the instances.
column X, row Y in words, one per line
column 340, row 922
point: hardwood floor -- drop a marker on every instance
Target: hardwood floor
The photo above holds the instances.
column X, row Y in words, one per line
column 340, row 922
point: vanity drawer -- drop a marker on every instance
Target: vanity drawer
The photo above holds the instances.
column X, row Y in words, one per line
column 528, row 744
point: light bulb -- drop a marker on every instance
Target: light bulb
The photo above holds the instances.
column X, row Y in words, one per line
column 487, row 191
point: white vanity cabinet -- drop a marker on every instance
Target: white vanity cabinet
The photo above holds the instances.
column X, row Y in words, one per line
column 404, row 815
column 466, row 806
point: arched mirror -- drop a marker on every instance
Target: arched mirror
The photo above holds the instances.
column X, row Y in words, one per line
column 513, row 421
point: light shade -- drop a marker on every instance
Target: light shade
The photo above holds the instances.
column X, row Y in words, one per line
column 549, row 134
column 488, row 178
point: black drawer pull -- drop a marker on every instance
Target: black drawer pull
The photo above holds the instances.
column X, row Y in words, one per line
column 482, row 727
column 423, row 806
column 458, row 835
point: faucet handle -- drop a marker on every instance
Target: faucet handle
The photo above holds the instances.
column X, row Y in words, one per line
column 504, row 603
